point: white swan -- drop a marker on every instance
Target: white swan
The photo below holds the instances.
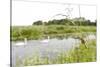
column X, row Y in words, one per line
column 46, row 40
column 22, row 43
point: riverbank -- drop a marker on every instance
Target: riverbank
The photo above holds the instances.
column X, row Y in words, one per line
column 76, row 55
column 40, row 32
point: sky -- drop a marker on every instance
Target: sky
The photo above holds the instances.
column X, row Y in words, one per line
column 25, row 12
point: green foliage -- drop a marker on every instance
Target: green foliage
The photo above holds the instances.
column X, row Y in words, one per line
column 61, row 26
column 19, row 33
column 70, row 22
column 37, row 32
column 30, row 33
column 75, row 55
column 83, row 54
column 38, row 23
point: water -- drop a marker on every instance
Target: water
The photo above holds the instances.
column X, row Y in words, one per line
column 50, row 49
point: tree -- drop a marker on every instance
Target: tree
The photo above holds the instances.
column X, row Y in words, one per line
column 38, row 22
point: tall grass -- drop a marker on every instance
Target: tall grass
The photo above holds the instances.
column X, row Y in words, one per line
column 83, row 54
column 75, row 55
column 37, row 32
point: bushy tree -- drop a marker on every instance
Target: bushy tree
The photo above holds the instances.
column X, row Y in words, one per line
column 38, row 22
column 80, row 21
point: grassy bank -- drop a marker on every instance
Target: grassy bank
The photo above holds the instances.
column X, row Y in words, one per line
column 38, row 32
column 76, row 55
column 82, row 54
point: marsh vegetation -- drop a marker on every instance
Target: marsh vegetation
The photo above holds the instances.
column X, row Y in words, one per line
column 77, row 29
column 75, row 55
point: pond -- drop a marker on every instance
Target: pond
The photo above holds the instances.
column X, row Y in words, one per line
column 48, row 49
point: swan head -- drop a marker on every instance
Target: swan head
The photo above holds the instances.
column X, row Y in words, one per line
column 48, row 37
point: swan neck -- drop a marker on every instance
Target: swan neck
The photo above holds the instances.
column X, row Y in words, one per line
column 48, row 37
column 25, row 40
